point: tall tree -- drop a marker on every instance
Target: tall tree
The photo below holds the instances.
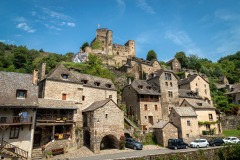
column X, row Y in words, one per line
column 151, row 55
column 181, row 57
column 84, row 45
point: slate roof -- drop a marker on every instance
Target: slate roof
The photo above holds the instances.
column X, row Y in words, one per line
column 170, row 61
column 10, row 82
column 187, row 80
column 141, row 60
column 96, row 105
column 56, row 74
column 184, row 93
column 234, row 89
column 91, row 80
column 142, row 87
column 56, row 104
column 160, row 124
column 199, row 104
column 185, row 111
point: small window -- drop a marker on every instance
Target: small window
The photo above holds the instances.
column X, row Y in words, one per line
column 149, row 87
column 145, row 107
column 199, row 104
column 14, row 132
column 196, row 84
column 188, row 123
column 64, row 96
column 205, row 91
column 140, row 87
column 21, row 94
column 64, row 76
column 171, row 84
column 168, row 76
column 187, row 135
column 156, row 107
column 166, row 83
column 108, row 85
column 97, row 83
column 110, row 96
column 210, row 117
column 145, row 117
column 84, row 81
column 170, row 94
column 83, row 98
column 106, row 115
column 207, row 126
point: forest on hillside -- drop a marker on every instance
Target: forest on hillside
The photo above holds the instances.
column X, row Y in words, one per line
column 20, row 59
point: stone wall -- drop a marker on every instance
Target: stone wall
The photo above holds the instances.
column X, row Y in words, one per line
column 230, row 122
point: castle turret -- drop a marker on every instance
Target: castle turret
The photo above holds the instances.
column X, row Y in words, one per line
column 131, row 48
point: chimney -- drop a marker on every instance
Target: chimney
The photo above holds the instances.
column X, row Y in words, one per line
column 35, row 77
column 129, row 81
column 42, row 71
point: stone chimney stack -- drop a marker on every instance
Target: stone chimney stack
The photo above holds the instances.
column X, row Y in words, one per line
column 129, row 81
column 35, row 77
column 42, row 71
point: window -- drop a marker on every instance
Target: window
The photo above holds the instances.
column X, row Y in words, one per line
column 149, row 87
column 171, row 84
column 205, row 91
column 108, row 85
column 21, row 94
column 170, row 94
column 196, row 84
column 97, row 83
column 84, row 81
column 166, row 83
column 14, row 132
column 168, row 76
column 64, row 76
column 188, row 123
column 140, row 87
column 83, row 98
column 210, row 117
column 110, row 96
column 156, row 107
column 145, row 107
column 199, row 104
column 64, row 96
column 106, row 115
column 187, row 135
column 145, row 117
column 207, row 126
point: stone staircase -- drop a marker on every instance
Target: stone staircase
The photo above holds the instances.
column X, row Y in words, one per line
column 37, row 153
column 8, row 154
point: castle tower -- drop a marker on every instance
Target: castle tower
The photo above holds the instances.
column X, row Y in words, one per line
column 109, row 42
column 102, row 36
column 131, row 48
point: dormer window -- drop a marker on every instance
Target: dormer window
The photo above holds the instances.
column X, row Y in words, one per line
column 97, row 83
column 199, row 104
column 64, row 76
column 148, row 87
column 21, row 94
column 140, row 87
column 84, row 81
column 108, row 85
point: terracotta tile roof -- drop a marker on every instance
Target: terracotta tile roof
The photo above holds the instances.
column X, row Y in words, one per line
column 185, row 111
column 142, row 87
column 160, row 124
column 93, row 81
column 10, row 82
column 197, row 103
column 56, row 104
column 184, row 93
column 96, row 105
column 58, row 72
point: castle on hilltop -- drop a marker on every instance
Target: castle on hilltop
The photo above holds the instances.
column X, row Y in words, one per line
column 115, row 54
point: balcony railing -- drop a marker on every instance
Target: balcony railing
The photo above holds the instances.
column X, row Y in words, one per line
column 55, row 117
column 11, row 120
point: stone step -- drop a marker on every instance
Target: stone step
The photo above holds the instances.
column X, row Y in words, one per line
column 37, row 154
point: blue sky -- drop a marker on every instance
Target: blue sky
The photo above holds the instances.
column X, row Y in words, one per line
column 207, row 28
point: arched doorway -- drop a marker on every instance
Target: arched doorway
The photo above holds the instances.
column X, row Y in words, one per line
column 109, row 142
column 86, row 136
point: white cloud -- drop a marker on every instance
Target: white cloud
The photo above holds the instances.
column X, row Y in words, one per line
column 121, row 5
column 7, row 41
column 70, row 24
column 24, row 26
column 20, row 19
column 52, row 27
column 226, row 15
column 182, row 39
column 56, row 15
column 145, row 6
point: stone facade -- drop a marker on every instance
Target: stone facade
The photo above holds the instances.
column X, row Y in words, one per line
column 103, row 123
column 185, row 119
column 235, row 93
column 174, row 64
column 163, row 131
column 166, row 83
column 142, row 103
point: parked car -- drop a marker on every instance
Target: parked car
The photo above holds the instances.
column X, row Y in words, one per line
column 216, row 142
column 177, row 144
column 231, row 140
column 132, row 143
column 199, row 143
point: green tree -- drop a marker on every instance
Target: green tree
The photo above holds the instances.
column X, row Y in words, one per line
column 84, row 45
column 151, row 55
column 182, row 58
column 97, row 44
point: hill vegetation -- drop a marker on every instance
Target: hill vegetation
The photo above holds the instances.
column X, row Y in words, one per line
column 20, row 59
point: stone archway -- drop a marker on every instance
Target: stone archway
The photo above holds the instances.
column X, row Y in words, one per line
column 109, row 142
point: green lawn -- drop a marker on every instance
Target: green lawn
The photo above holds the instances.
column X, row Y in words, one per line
column 235, row 133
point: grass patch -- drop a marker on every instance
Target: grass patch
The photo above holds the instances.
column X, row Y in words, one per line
column 235, row 133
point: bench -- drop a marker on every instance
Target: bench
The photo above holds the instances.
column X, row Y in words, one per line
column 57, row 151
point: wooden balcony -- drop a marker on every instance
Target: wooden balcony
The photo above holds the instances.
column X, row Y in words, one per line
column 15, row 120
column 54, row 118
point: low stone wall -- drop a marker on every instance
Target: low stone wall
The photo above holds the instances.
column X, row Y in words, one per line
column 230, row 122
column 208, row 154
